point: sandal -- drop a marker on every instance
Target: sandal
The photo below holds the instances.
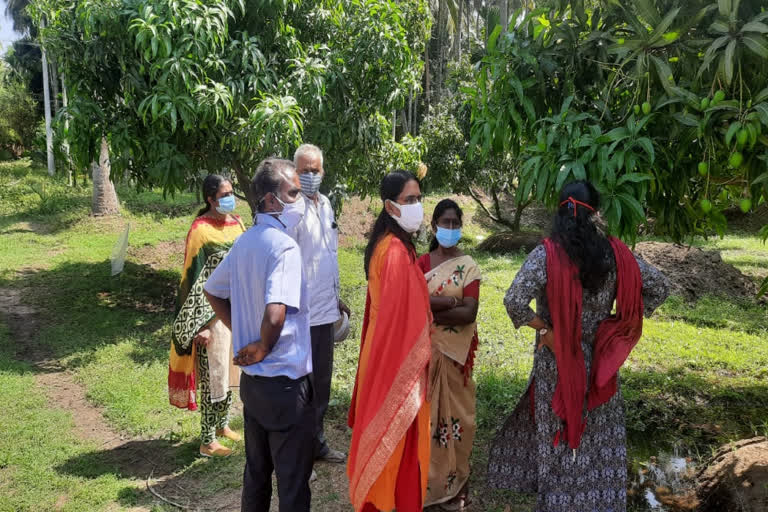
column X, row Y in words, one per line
column 458, row 504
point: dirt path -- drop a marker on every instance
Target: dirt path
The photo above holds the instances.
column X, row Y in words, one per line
column 131, row 456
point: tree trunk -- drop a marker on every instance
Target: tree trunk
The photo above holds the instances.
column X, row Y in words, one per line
column 440, row 45
column 427, row 90
column 104, row 196
column 65, row 102
column 504, row 12
column 47, row 108
column 54, row 86
column 457, row 50
column 244, row 182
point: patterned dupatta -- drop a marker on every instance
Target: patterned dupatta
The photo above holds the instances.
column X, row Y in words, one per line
column 207, row 243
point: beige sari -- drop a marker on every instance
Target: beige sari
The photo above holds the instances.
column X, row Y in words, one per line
column 452, row 389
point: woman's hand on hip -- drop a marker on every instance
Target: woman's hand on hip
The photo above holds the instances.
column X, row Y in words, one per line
column 203, row 337
column 547, row 339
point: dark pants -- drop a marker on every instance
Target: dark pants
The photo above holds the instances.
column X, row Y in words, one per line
column 322, row 370
column 279, row 427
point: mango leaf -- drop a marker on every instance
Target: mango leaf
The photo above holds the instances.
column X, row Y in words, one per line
column 494, row 37
column 719, row 27
column 755, row 26
column 633, row 205
column 735, row 127
column 730, row 51
column 757, row 44
column 711, row 53
column 647, row 146
column 724, row 6
column 633, row 177
column 761, row 96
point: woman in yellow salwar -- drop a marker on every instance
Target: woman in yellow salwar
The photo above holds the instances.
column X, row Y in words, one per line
column 453, row 280
column 201, row 345
column 389, row 455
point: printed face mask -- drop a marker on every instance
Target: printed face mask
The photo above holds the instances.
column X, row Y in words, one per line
column 292, row 212
column 310, row 183
column 411, row 216
column 448, row 237
column 226, row 204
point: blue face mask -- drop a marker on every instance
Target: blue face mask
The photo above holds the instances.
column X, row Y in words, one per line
column 448, row 237
column 226, row 205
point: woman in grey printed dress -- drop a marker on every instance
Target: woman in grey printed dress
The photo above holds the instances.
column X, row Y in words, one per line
column 578, row 465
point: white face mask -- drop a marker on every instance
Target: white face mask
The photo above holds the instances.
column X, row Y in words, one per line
column 411, row 216
column 292, row 212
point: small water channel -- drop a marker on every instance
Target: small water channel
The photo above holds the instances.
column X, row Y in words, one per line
column 663, row 483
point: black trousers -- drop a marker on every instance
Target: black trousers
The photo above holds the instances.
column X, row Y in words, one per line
column 279, row 433
column 322, row 370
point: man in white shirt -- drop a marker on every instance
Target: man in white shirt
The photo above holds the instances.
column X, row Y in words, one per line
column 317, row 236
column 259, row 292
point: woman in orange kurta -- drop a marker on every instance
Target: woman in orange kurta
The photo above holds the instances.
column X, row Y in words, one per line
column 389, row 455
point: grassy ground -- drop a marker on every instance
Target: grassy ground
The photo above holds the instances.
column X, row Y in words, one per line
column 697, row 379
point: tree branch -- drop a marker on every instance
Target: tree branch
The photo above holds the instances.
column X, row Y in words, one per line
column 494, row 218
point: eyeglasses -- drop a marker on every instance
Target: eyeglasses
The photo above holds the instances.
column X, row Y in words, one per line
column 411, row 199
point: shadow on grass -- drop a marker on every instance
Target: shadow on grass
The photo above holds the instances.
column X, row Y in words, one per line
column 153, row 203
column 82, row 308
column 678, row 406
column 134, row 459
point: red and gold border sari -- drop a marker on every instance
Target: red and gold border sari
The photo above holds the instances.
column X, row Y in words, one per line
column 389, row 455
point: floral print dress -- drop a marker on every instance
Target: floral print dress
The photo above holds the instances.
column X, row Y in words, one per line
column 523, row 455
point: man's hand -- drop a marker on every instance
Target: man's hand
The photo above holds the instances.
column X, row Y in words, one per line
column 250, row 354
column 344, row 309
column 203, row 337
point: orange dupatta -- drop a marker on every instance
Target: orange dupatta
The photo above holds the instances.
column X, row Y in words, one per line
column 391, row 383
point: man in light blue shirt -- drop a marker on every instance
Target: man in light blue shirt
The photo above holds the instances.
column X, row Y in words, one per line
column 259, row 291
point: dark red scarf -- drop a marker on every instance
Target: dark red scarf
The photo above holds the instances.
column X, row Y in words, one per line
column 615, row 339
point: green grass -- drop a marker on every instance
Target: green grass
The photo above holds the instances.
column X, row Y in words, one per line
column 697, row 378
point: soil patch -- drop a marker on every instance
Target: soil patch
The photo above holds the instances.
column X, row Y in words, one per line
column 355, row 222
column 736, row 479
column 161, row 256
column 188, row 490
column 694, row 273
column 511, row 242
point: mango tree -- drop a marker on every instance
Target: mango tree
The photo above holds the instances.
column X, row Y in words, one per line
column 662, row 104
column 181, row 88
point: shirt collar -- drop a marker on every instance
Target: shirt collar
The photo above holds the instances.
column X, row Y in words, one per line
column 269, row 220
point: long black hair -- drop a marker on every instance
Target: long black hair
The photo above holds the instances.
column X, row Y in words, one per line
column 391, row 186
column 211, row 185
column 575, row 231
column 442, row 207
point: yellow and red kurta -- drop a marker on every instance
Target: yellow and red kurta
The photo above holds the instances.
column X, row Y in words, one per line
column 206, row 236
column 388, row 462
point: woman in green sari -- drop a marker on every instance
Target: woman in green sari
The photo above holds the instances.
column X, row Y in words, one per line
column 201, row 345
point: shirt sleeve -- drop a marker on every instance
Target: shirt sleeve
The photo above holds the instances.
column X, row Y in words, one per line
column 284, row 279
column 473, row 290
column 655, row 286
column 530, row 283
column 218, row 282
column 424, row 263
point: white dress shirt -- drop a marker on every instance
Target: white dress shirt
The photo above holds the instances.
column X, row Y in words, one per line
column 317, row 236
column 264, row 267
